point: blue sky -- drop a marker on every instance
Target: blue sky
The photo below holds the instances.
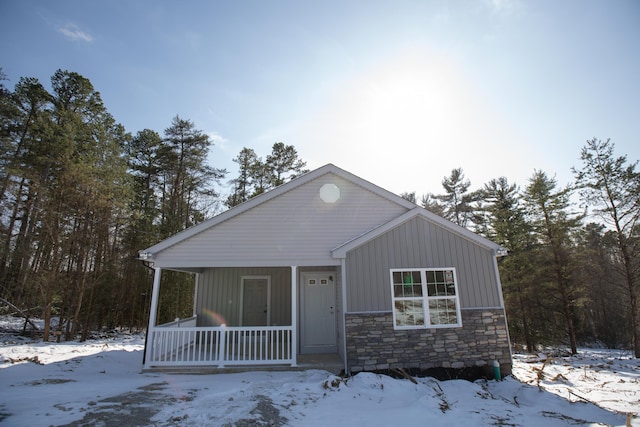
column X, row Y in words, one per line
column 397, row 92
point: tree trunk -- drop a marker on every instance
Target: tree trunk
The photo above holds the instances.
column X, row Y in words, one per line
column 633, row 295
column 635, row 321
column 47, row 315
column 6, row 249
column 560, row 260
column 86, row 243
column 568, row 314
column 87, row 321
column 525, row 321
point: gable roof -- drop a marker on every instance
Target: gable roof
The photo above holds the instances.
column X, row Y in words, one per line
column 341, row 251
column 272, row 194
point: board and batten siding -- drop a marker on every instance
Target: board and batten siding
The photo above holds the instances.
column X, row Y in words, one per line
column 419, row 243
column 296, row 227
column 219, row 295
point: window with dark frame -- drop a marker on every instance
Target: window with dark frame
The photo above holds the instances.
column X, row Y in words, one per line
column 425, row 298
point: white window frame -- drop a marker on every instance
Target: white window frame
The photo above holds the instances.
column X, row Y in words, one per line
column 425, row 298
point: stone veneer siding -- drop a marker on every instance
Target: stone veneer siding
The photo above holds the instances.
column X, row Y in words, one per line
column 373, row 344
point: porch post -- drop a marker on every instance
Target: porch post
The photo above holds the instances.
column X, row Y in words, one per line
column 195, row 292
column 343, row 276
column 294, row 315
column 153, row 311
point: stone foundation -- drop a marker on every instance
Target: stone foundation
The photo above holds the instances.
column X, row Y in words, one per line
column 373, row 344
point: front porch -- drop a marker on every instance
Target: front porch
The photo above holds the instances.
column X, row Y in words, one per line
column 232, row 343
column 189, row 349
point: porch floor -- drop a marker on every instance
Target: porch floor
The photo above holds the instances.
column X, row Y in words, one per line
column 328, row 361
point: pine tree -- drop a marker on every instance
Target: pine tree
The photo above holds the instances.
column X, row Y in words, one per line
column 283, row 164
column 553, row 225
column 596, row 254
column 187, row 191
column 131, row 301
column 187, row 182
column 64, row 195
column 612, row 187
column 257, row 176
column 457, row 202
column 430, row 203
column 411, row 197
column 21, row 163
column 507, row 226
column 247, row 161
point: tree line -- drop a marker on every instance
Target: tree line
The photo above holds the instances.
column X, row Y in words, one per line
column 572, row 274
column 80, row 196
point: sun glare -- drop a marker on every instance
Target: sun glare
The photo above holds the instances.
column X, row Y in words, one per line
column 406, row 100
column 416, row 113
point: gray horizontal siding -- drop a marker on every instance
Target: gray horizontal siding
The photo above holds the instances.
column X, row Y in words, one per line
column 419, row 244
column 296, row 227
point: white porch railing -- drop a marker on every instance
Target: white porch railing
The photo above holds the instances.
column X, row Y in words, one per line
column 189, row 321
column 219, row 345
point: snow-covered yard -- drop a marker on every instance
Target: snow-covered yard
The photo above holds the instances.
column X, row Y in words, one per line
column 98, row 382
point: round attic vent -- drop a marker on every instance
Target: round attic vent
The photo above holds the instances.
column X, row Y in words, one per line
column 329, row 193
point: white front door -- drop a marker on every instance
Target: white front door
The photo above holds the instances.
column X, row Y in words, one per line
column 256, row 293
column 317, row 313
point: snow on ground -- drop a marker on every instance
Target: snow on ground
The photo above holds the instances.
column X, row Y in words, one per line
column 98, row 382
column 610, row 378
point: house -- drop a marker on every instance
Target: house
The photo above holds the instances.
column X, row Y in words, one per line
column 330, row 263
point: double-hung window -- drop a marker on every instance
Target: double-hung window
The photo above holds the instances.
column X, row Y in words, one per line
column 425, row 298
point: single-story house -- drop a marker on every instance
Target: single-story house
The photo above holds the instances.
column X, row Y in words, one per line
column 331, row 263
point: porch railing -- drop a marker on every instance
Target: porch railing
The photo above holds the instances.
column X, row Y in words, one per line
column 219, row 345
column 189, row 321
